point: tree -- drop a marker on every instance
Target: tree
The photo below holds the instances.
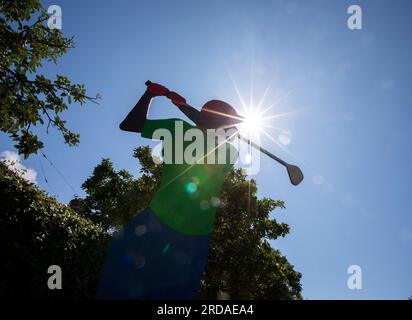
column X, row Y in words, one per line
column 28, row 98
column 36, row 231
column 113, row 198
column 241, row 263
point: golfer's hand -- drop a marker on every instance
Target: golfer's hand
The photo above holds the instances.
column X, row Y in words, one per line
column 177, row 99
column 156, row 89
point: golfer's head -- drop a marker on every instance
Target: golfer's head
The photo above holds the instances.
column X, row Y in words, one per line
column 216, row 114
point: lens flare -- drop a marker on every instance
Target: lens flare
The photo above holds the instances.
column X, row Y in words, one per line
column 259, row 118
column 251, row 124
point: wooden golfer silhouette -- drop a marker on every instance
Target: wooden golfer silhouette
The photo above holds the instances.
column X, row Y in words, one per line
column 161, row 253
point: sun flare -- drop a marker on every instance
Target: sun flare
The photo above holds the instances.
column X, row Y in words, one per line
column 252, row 122
column 259, row 119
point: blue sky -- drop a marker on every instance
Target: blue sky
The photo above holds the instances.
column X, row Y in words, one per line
column 350, row 136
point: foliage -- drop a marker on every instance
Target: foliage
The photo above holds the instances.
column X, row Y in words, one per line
column 242, row 263
column 37, row 231
column 28, row 98
column 113, row 198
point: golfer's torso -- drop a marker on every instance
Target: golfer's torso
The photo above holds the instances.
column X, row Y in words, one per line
column 188, row 197
column 189, row 192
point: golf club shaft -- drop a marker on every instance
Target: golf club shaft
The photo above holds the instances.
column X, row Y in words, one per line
column 256, row 146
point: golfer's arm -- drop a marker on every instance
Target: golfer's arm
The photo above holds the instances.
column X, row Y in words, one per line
column 191, row 113
column 136, row 118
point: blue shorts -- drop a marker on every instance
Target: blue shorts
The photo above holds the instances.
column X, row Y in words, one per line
column 149, row 260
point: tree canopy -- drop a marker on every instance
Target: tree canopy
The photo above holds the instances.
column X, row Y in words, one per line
column 27, row 97
column 37, row 231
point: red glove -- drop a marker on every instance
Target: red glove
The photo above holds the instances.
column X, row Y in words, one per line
column 177, row 99
column 156, row 89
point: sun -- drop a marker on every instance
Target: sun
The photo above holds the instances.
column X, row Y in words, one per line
column 252, row 122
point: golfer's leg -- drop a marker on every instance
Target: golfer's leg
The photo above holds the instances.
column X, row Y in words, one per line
column 181, row 264
column 125, row 274
column 187, row 269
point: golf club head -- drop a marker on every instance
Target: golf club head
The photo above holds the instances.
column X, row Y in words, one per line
column 295, row 174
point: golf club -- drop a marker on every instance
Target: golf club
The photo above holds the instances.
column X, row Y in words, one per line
column 294, row 172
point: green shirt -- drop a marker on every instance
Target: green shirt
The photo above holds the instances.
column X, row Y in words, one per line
column 189, row 193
